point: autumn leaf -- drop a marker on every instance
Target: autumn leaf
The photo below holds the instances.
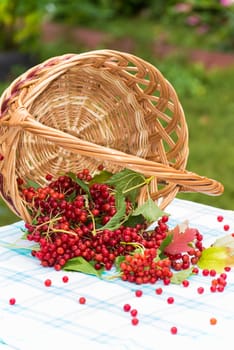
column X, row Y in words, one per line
column 219, row 255
column 180, row 239
column 216, row 257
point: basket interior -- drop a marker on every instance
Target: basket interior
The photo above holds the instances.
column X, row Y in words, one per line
column 106, row 108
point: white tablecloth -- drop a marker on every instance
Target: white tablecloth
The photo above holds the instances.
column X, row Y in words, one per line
column 52, row 318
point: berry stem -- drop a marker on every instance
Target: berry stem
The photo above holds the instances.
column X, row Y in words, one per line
column 146, row 182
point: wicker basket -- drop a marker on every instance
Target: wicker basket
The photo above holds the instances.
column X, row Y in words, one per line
column 77, row 111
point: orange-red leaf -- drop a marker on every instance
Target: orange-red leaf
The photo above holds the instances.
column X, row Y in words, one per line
column 181, row 240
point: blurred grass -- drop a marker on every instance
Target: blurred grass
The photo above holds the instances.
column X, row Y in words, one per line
column 207, row 99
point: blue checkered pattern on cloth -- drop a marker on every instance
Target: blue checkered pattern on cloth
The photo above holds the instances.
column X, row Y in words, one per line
column 52, row 318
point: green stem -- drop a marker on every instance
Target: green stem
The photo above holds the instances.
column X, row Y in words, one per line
column 59, row 230
column 146, row 182
column 135, row 244
column 109, row 278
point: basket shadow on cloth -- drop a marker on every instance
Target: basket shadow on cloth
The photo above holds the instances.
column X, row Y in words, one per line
column 105, row 107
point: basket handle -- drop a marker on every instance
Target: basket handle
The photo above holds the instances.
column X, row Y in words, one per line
column 188, row 181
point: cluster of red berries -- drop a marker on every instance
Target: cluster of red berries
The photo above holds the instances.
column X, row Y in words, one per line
column 145, row 268
column 67, row 221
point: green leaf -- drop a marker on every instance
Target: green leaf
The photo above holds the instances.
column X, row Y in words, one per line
column 149, row 210
column 216, row 258
column 128, row 182
column 79, row 264
column 25, row 233
column 117, row 220
column 179, row 277
column 81, row 183
column 119, row 259
column 132, row 221
column 164, row 244
column 101, row 178
column 33, row 184
column 71, row 196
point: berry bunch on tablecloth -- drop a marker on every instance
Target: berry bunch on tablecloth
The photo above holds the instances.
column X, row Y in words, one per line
column 92, row 223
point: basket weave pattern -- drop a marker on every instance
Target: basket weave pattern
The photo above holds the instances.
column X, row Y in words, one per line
column 101, row 107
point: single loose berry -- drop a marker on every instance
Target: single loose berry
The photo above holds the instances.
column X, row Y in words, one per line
column 138, row 293
column 174, row 330
column 185, row 283
column 226, row 227
column 227, row 268
column 65, row 279
column 170, row 300
column 82, row 300
column 48, row 282
column 12, row 301
column 158, row 291
column 213, row 321
column 135, row 321
column 200, row 290
column 220, row 218
column 127, row 307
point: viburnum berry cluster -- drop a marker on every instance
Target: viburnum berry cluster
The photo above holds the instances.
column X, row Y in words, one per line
column 92, row 223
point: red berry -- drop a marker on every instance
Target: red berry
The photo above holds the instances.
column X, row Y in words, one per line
column 1, row 157
column 223, row 275
column 174, row 330
column 48, row 282
column 135, row 321
column 185, row 283
column 220, row 218
column 165, row 218
column 100, row 167
column 133, row 312
column 227, row 268
column 213, row 321
column 127, row 307
column 166, row 281
column 205, row 272
column 82, row 300
column 212, row 272
column 65, row 279
column 49, row 177
column 200, row 290
column 170, row 300
column 158, row 291
column 213, row 288
column 220, row 288
column 226, row 227
column 138, row 293
column 12, row 301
